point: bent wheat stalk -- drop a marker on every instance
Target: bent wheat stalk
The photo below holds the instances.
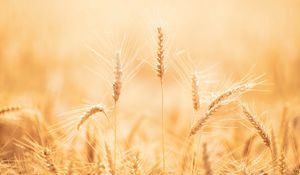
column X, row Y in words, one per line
column 160, row 71
column 93, row 110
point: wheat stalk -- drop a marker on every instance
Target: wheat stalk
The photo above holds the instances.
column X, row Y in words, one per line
column 117, row 85
column 259, row 127
column 160, row 71
column 92, row 110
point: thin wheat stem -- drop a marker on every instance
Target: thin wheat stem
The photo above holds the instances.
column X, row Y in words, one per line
column 162, row 125
column 115, row 135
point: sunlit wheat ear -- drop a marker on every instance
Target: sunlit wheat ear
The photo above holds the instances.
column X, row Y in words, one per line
column 8, row 109
column 93, row 110
column 206, row 162
column 135, row 165
column 282, row 164
column 198, row 125
column 195, row 91
column 111, row 167
column 236, row 90
column 117, row 84
column 160, row 65
column 259, row 127
column 47, row 156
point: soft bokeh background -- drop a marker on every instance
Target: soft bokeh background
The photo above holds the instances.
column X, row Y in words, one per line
column 45, row 46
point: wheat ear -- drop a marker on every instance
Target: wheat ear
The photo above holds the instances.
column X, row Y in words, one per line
column 160, row 71
column 117, row 84
column 135, row 167
column 282, row 164
column 259, row 127
column 198, row 125
column 49, row 161
column 236, row 90
column 195, row 91
column 93, row 110
column 7, row 109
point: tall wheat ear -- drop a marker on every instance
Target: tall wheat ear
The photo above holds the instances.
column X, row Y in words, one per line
column 91, row 111
column 160, row 72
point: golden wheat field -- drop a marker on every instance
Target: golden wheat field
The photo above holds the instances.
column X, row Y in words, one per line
column 137, row 87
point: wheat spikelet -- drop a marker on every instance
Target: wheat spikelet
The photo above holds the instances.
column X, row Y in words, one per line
column 117, row 84
column 195, row 91
column 7, row 109
column 111, row 167
column 48, row 160
column 160, row 66
column 135, row 167
column 282, row 164
column 93, row 110
column 198, row 125
column 206, row 162
column 236, row 90
column 259, row 127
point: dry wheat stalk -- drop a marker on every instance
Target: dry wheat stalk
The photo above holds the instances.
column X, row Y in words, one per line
column 160, row 71
column 198, row 125
column 93, row 110
column 206, row 162
column 195, row 91
column 259, row 127
column 236, row 90
column 7, row 109
column 117, row 84
column 111, row 167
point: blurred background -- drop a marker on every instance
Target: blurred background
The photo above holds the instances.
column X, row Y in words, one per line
column 46, row 47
